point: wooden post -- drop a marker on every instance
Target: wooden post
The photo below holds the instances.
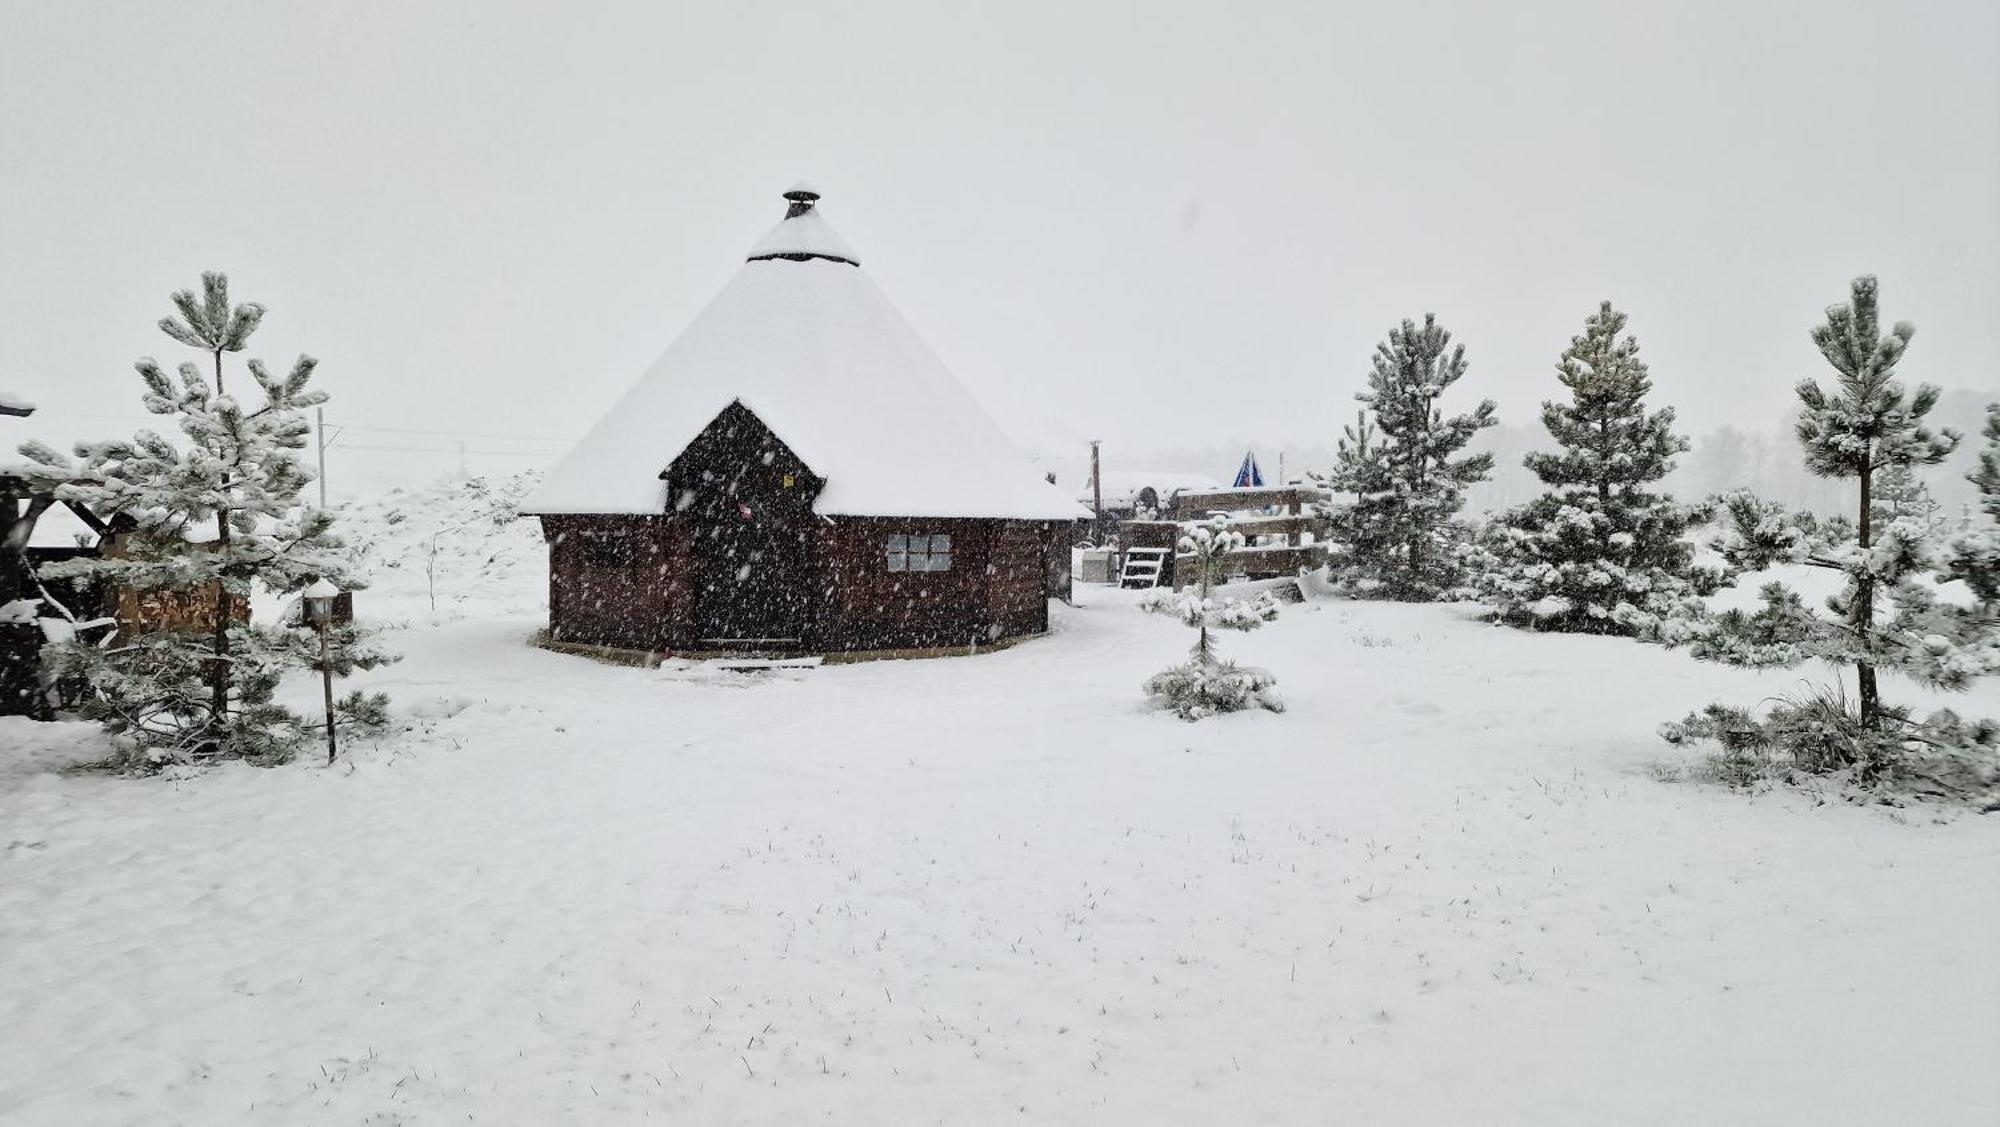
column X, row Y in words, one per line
column 326, row 680
column 1297, row 539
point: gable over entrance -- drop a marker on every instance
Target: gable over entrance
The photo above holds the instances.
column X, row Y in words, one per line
column 747, row 500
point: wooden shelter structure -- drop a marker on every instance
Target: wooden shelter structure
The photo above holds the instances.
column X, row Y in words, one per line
column 800, row 474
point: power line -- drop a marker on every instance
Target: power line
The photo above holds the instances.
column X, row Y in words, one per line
column 457, row 433
column 336, row 425
column 447, row 450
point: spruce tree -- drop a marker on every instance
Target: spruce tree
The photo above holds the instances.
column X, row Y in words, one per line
column 1865, row 423
column 1609, row 552
column 1397, row 539
column 198, row 683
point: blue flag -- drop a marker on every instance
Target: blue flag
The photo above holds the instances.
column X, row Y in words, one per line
column 1249, row 477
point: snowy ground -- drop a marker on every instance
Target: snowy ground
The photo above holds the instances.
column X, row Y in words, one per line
column 1445, row 887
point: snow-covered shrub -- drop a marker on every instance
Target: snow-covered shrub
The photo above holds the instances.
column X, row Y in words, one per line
column 1819, row 736
column 1207, row 684
column 204, row 521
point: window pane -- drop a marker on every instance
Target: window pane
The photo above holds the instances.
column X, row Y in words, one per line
column 940, row 561
column 898, row 543
column 941, row 544
column 896, row 561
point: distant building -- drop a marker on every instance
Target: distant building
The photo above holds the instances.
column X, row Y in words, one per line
column 1130, row 494
column 1126, row 491
column 800, row 473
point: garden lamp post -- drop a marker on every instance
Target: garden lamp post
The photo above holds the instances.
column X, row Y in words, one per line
column 319, row 609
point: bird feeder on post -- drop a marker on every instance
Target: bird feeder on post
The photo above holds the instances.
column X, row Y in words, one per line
column 319, row 611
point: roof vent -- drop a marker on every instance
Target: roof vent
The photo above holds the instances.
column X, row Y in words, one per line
column 804, row 233
column 803, row 198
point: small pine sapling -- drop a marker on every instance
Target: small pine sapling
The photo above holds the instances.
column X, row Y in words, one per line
column 190, row 677
column 1207, row 684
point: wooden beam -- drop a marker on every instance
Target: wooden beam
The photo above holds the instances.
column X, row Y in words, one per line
column 89, row 518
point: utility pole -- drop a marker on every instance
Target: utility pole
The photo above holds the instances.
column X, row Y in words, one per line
column 1096, row 492
column 319, row 429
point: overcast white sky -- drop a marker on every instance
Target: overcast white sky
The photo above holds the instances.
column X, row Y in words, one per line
column 1154, row 223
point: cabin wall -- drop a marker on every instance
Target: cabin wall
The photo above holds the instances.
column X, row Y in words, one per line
column 869, row 607
column 630, row 582
column 1056, row 537
column 620, row 581
column 1017, row 583
column 996, row 587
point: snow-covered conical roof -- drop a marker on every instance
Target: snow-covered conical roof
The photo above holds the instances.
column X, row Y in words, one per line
column 805, row 340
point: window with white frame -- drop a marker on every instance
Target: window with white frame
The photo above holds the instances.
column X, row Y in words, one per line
column 919, row 553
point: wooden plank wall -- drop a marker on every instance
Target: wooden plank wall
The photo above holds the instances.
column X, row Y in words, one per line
column 621, row 581
column 628, row 582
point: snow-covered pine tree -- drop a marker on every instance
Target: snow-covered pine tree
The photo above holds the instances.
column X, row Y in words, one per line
column 199, row 685
column 1898, row 493
column 1882, row 618
column 1958, row 639
column 1396, row 540
column 1359, row 457
column 1599, row 544
column 1206, row 684
column 1354, row 532
column 1975, row 553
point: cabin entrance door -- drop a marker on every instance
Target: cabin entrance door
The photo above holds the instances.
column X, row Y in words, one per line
column 752, row 587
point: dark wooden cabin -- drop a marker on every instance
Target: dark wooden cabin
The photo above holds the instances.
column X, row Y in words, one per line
column 799, row 474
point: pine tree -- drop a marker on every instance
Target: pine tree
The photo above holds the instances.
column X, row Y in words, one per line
column 1882, row 619
column 1612, row 553
column 200, row 684
column 1899, row 493
column 1207, row 684
column 1975, row 553
column 1360, row 457
column 1396, row 540
column 1960, row 638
